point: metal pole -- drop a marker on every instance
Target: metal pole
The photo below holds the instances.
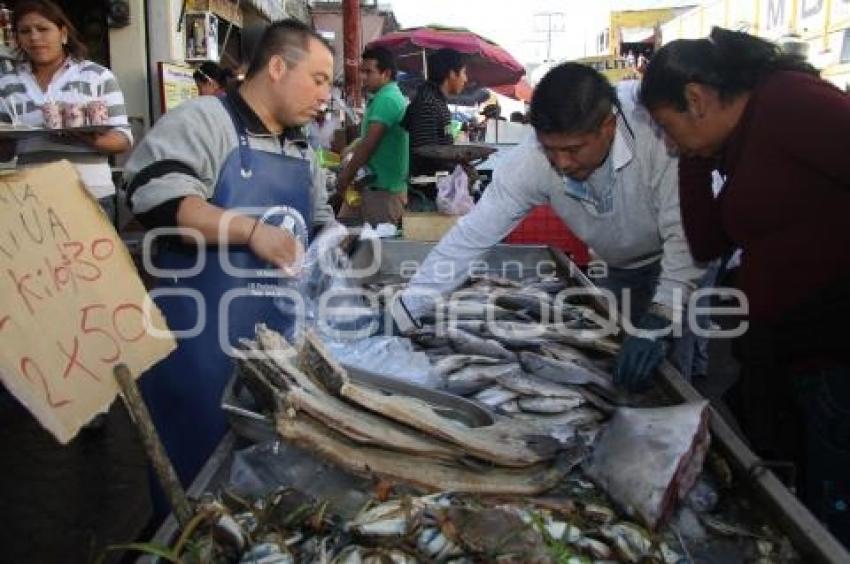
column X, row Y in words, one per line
column 351, row 50
column 424, row 64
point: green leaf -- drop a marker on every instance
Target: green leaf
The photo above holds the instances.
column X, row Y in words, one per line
column 145, row 547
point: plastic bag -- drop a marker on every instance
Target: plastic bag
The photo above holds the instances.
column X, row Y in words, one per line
column 393, row 357
column 325, row 269
column 264, row 468
column 453, row 193
column 647, row 459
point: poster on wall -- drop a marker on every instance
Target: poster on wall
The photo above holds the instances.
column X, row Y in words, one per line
column 176, row 85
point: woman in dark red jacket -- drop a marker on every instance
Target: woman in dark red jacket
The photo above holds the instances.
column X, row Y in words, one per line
column 779, row 134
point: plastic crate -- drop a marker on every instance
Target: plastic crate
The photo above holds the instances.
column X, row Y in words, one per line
column 543, row 227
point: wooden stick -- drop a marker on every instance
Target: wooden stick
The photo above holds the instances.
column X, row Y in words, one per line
column 156, row 452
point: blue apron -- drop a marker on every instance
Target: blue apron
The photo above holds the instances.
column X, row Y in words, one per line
column 183, row 391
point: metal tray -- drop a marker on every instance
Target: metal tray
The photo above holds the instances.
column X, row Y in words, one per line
column 20, row 132
column 246, row 422
column 454, row 153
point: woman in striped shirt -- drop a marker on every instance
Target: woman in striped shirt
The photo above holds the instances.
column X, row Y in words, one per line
column 52, row 67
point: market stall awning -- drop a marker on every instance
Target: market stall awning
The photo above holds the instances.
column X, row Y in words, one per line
column 488, row 64
column 521, row 91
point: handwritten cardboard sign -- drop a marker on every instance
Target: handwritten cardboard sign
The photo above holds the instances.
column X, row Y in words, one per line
column 71, row 302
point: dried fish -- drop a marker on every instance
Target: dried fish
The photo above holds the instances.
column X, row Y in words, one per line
column 421, row 471
column 505, row 442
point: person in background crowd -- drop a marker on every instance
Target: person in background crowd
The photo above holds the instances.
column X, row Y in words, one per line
column 69, row 501
column 215, row 165
column 383, row 145
column 765, row 119
column 518, row 117
column 212, row 79
column 52, row 67
column 428, row 119
column 596, row 157
column 320, row 131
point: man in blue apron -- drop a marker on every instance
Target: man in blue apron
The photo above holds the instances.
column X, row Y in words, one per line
column 227, row 169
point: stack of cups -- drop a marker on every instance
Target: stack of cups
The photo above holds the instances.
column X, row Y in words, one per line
column 73, row 114
column 97, row 112
column 52, row 113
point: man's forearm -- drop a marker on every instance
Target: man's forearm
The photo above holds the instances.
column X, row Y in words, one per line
column 207, row 219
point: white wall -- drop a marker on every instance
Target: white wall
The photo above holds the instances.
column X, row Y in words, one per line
column 164, row 41
column 129, row 63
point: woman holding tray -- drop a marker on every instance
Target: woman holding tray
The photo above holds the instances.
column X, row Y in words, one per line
column 54, row 85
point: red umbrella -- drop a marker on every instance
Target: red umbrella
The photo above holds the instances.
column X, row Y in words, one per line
column 520, row 91
column 487, row 63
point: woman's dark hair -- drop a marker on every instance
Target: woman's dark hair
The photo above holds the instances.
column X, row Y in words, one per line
column 209, row 70
column 48, row 10
column 732, row 62
column 441, row 62
column 383, row 58
column 288, row 38
column 571, row 98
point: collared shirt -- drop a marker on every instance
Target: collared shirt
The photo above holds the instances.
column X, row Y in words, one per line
column 389, row 160
column 627, row 211
column 184, row 152
column 77, row 82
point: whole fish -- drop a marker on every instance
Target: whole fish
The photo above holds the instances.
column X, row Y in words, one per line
column 536, row 304
column 464, row 342
column 516, row 335
column 578, row 417
column 530, row 385
column 448, row 364
column 549, row 285
column 494, row 396
column 565, row 372
column 549, row 405
column 474, row 378
column 494, row 280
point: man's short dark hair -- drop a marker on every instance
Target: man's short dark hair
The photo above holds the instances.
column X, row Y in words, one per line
column 443, row 61
column 383, row 58
column 288, row 38
column 571, row 98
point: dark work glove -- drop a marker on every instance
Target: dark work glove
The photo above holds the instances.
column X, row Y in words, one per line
column 641, row 355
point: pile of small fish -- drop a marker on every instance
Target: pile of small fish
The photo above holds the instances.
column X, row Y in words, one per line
column 520, row 350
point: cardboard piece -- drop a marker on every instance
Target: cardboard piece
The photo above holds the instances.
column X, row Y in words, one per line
column 426, row 226
column 72, row 305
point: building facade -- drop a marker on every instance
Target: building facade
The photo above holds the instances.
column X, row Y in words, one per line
column 820, row 29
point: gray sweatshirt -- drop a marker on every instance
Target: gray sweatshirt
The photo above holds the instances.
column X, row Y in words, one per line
column 184, row 152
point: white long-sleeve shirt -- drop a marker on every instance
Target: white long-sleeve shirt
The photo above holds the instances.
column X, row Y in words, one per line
column 627, row 211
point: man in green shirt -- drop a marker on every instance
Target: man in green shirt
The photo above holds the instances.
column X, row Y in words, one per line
column 383, row 144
